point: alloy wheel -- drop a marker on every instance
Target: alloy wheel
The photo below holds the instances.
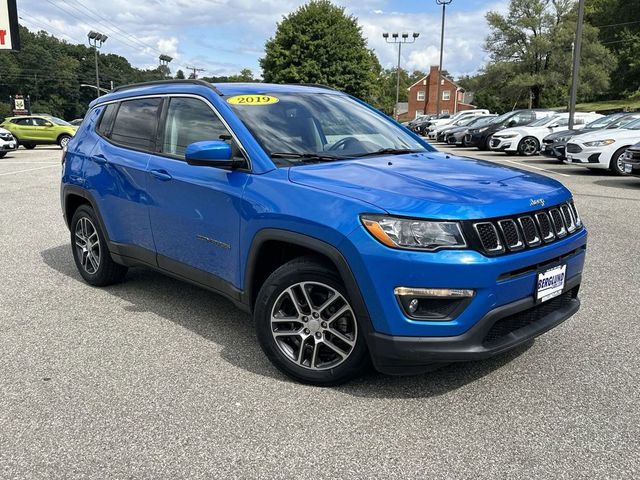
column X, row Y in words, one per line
column 87, row 245
column 314, row 326
column 64, row 141
column 529, row 146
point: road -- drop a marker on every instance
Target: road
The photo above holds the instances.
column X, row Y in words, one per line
column 155, row 378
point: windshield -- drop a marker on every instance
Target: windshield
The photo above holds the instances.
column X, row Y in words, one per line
column 297, row 127
column 603, row 121
column 623, row 121
column 482, row 121
column 503, row 117
column 59, row 121
column 633, row 125
column 543, row 121
column 466, row 121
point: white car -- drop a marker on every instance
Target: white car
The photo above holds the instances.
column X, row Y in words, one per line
column 7, row 142
column 603, row 149
column 526, row 140
column 460, row 115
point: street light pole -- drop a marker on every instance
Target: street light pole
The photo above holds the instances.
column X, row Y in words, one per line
column 576, row 65
column 96, row 39
column 399, row 39
column 444, row 4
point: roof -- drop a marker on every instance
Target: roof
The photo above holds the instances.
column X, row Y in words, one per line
column 427, row 76
column 222, row 89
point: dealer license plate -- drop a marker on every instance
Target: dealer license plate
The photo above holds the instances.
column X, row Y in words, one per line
column 550, row 283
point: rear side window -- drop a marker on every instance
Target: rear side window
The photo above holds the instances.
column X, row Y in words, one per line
column 190, row 120
column 22, row 121
column 106, row 121
column 136, row 123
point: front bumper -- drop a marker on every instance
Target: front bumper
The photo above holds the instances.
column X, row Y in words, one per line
column 500, row 144
column 591, row 157
column 502, row 329
column 554, row 150
column 8, row 145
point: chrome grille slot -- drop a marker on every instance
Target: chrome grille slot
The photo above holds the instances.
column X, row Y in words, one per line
column 488, row 235
column 511, row 234
column 569, row 221
column 546, row 230
column 529, row 231
column 558, row 223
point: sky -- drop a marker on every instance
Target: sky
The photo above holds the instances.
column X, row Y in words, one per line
column 224, row 36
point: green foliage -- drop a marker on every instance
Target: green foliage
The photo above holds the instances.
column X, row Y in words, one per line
column 245, row 75
column 531, row 52
column 619, row 31
column 384, row 96
column 319, row 43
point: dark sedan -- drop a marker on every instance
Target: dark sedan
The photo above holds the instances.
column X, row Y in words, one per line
column 631, row 161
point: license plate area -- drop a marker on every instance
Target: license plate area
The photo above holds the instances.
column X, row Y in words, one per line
column 550, row 283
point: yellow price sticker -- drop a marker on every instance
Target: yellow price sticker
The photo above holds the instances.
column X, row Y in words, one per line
column 252, row 100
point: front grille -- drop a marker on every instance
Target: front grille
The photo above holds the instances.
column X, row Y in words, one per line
column 558, row 223
column 6, row 136
column 526, row 231
column 573, row 148
column 635, row 154
column 517, row 321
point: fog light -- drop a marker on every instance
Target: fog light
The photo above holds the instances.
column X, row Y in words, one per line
column 413, row 305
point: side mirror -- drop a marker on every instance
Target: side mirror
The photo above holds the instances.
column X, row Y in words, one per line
column 48, row 124
column 511, row 123
column 209, row 153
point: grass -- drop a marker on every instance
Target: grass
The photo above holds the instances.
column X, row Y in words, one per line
column 607, row 105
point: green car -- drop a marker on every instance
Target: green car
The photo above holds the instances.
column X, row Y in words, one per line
column 32, row 130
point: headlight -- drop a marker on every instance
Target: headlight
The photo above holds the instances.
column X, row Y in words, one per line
column 483, row 129
column 508, row 135
column 414, row 234
column 561, row 139
column 600, row 143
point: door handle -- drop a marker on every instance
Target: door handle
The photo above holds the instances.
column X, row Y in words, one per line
column 161, row 175
column 100, row 159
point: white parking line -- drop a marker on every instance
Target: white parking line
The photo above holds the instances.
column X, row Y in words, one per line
column 28, row 170
column 2, row 162
column 523, row 165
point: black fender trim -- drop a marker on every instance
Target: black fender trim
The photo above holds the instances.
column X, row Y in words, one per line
column 319, row 246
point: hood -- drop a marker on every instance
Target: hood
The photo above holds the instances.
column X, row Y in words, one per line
column 615, row 133
column 433, row 185
column 4, row 130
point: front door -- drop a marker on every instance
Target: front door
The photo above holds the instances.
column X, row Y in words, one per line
column 195, row 211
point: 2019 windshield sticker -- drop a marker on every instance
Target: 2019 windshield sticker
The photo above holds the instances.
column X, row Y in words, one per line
column 252, row 100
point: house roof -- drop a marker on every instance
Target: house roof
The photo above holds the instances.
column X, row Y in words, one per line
column 427, row 76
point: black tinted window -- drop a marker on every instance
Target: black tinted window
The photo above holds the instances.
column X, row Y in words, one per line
column 188, row 121
column 106, row 121
column 23, row 121
column 136, row 123
column 41, row 122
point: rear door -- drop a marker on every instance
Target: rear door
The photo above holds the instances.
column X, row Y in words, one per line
column 116, row 173
column 23, row 129
column 195, row 211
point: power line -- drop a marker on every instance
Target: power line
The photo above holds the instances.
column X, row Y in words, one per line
column 195, row 71
column 617, row 24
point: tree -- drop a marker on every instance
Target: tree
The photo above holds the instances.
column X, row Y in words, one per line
column 180, row 75
column 621, row 34
column 320, row 43
column 533, row 45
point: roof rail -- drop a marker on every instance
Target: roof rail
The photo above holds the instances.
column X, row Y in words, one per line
column 190, row 81
column 316, row 85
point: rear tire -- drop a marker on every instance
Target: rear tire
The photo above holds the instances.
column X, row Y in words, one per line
column 3, row 154
column 29, row 146
column 63, row 140
column 91, row 252
column 616, row 166
column 304, row 333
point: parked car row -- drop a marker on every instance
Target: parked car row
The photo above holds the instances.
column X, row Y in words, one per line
column 595, row 141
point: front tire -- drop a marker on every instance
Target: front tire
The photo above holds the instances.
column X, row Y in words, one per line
column 3, row 154
column 528, row 146
column 90, row 250
column 306, row 325
column 29, row 146
column 616, row 166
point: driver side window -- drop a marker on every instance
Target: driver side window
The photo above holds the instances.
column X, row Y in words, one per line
column 190, row 120
column 40, row 122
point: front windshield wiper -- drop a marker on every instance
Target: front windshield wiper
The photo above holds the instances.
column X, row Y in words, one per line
column 306, row 156
column 388, row 151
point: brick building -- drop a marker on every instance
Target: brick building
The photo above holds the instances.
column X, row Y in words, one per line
column 423, row 96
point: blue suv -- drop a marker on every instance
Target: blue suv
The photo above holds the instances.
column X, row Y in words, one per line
column 350, row 239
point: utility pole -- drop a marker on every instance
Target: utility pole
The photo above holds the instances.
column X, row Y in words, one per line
column 195, row 71
column 96, row 39
column 399, row 39
column 576, row 65
column 444, row 4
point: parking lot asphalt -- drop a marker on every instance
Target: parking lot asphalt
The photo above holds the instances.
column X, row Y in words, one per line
column 154, row 378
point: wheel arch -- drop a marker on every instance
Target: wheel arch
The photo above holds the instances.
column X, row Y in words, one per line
column 280, row 246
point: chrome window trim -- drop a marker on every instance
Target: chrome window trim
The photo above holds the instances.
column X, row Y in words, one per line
column 186, row 95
